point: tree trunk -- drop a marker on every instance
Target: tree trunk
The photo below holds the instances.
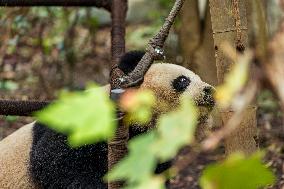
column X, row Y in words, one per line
column 243, row 138
column 205, row 54
column 229, row 23
column 196, row 42
column 189, row 33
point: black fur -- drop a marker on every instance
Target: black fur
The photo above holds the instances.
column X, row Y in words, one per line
column 130, row 60
column 181, row 83
column 53, row 164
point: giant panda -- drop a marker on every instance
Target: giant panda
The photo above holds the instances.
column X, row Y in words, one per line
column 37, row 157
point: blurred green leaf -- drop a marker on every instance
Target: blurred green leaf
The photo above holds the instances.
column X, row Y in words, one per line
column 237, row 172
column 20, row 24
column 155, row 182
column 41, row 12
column 139, row 38
column 175, row 130
column 8, row 85
column 86, row 117
column 11, row 118
column 136, row 168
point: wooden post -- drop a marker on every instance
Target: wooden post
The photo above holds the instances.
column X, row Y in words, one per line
column 117, row 148
column 229, row 23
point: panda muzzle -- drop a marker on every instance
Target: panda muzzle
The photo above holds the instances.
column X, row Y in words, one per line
column 208, row 99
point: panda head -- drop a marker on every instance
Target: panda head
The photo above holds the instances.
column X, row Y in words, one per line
column 170, row 83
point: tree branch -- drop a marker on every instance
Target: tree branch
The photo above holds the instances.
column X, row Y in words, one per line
column 106, row 4
column 153, row 51
column 21, row 108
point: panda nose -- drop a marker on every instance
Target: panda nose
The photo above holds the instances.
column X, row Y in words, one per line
column 208, row 96
column 208, row 90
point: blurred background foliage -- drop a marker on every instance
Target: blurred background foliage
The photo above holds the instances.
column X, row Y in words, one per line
column 44, row 49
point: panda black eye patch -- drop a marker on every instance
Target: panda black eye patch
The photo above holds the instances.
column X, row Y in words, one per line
column 181, row 83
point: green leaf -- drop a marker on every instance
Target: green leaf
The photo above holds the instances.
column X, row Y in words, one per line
column 237, row 172
column 155, row 182
column 86, row 117
column 139, row 165
column 175, row 130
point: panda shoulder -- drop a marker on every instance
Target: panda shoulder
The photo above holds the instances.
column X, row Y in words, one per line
column 14, row 158
column 19, row 137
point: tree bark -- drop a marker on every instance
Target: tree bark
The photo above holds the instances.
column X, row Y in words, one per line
column 196, row 42
column 189, row 32
column 229, row 23
column 205, row 54
column 243, row 138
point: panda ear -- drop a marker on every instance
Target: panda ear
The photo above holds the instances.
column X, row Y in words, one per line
column 130, row 60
